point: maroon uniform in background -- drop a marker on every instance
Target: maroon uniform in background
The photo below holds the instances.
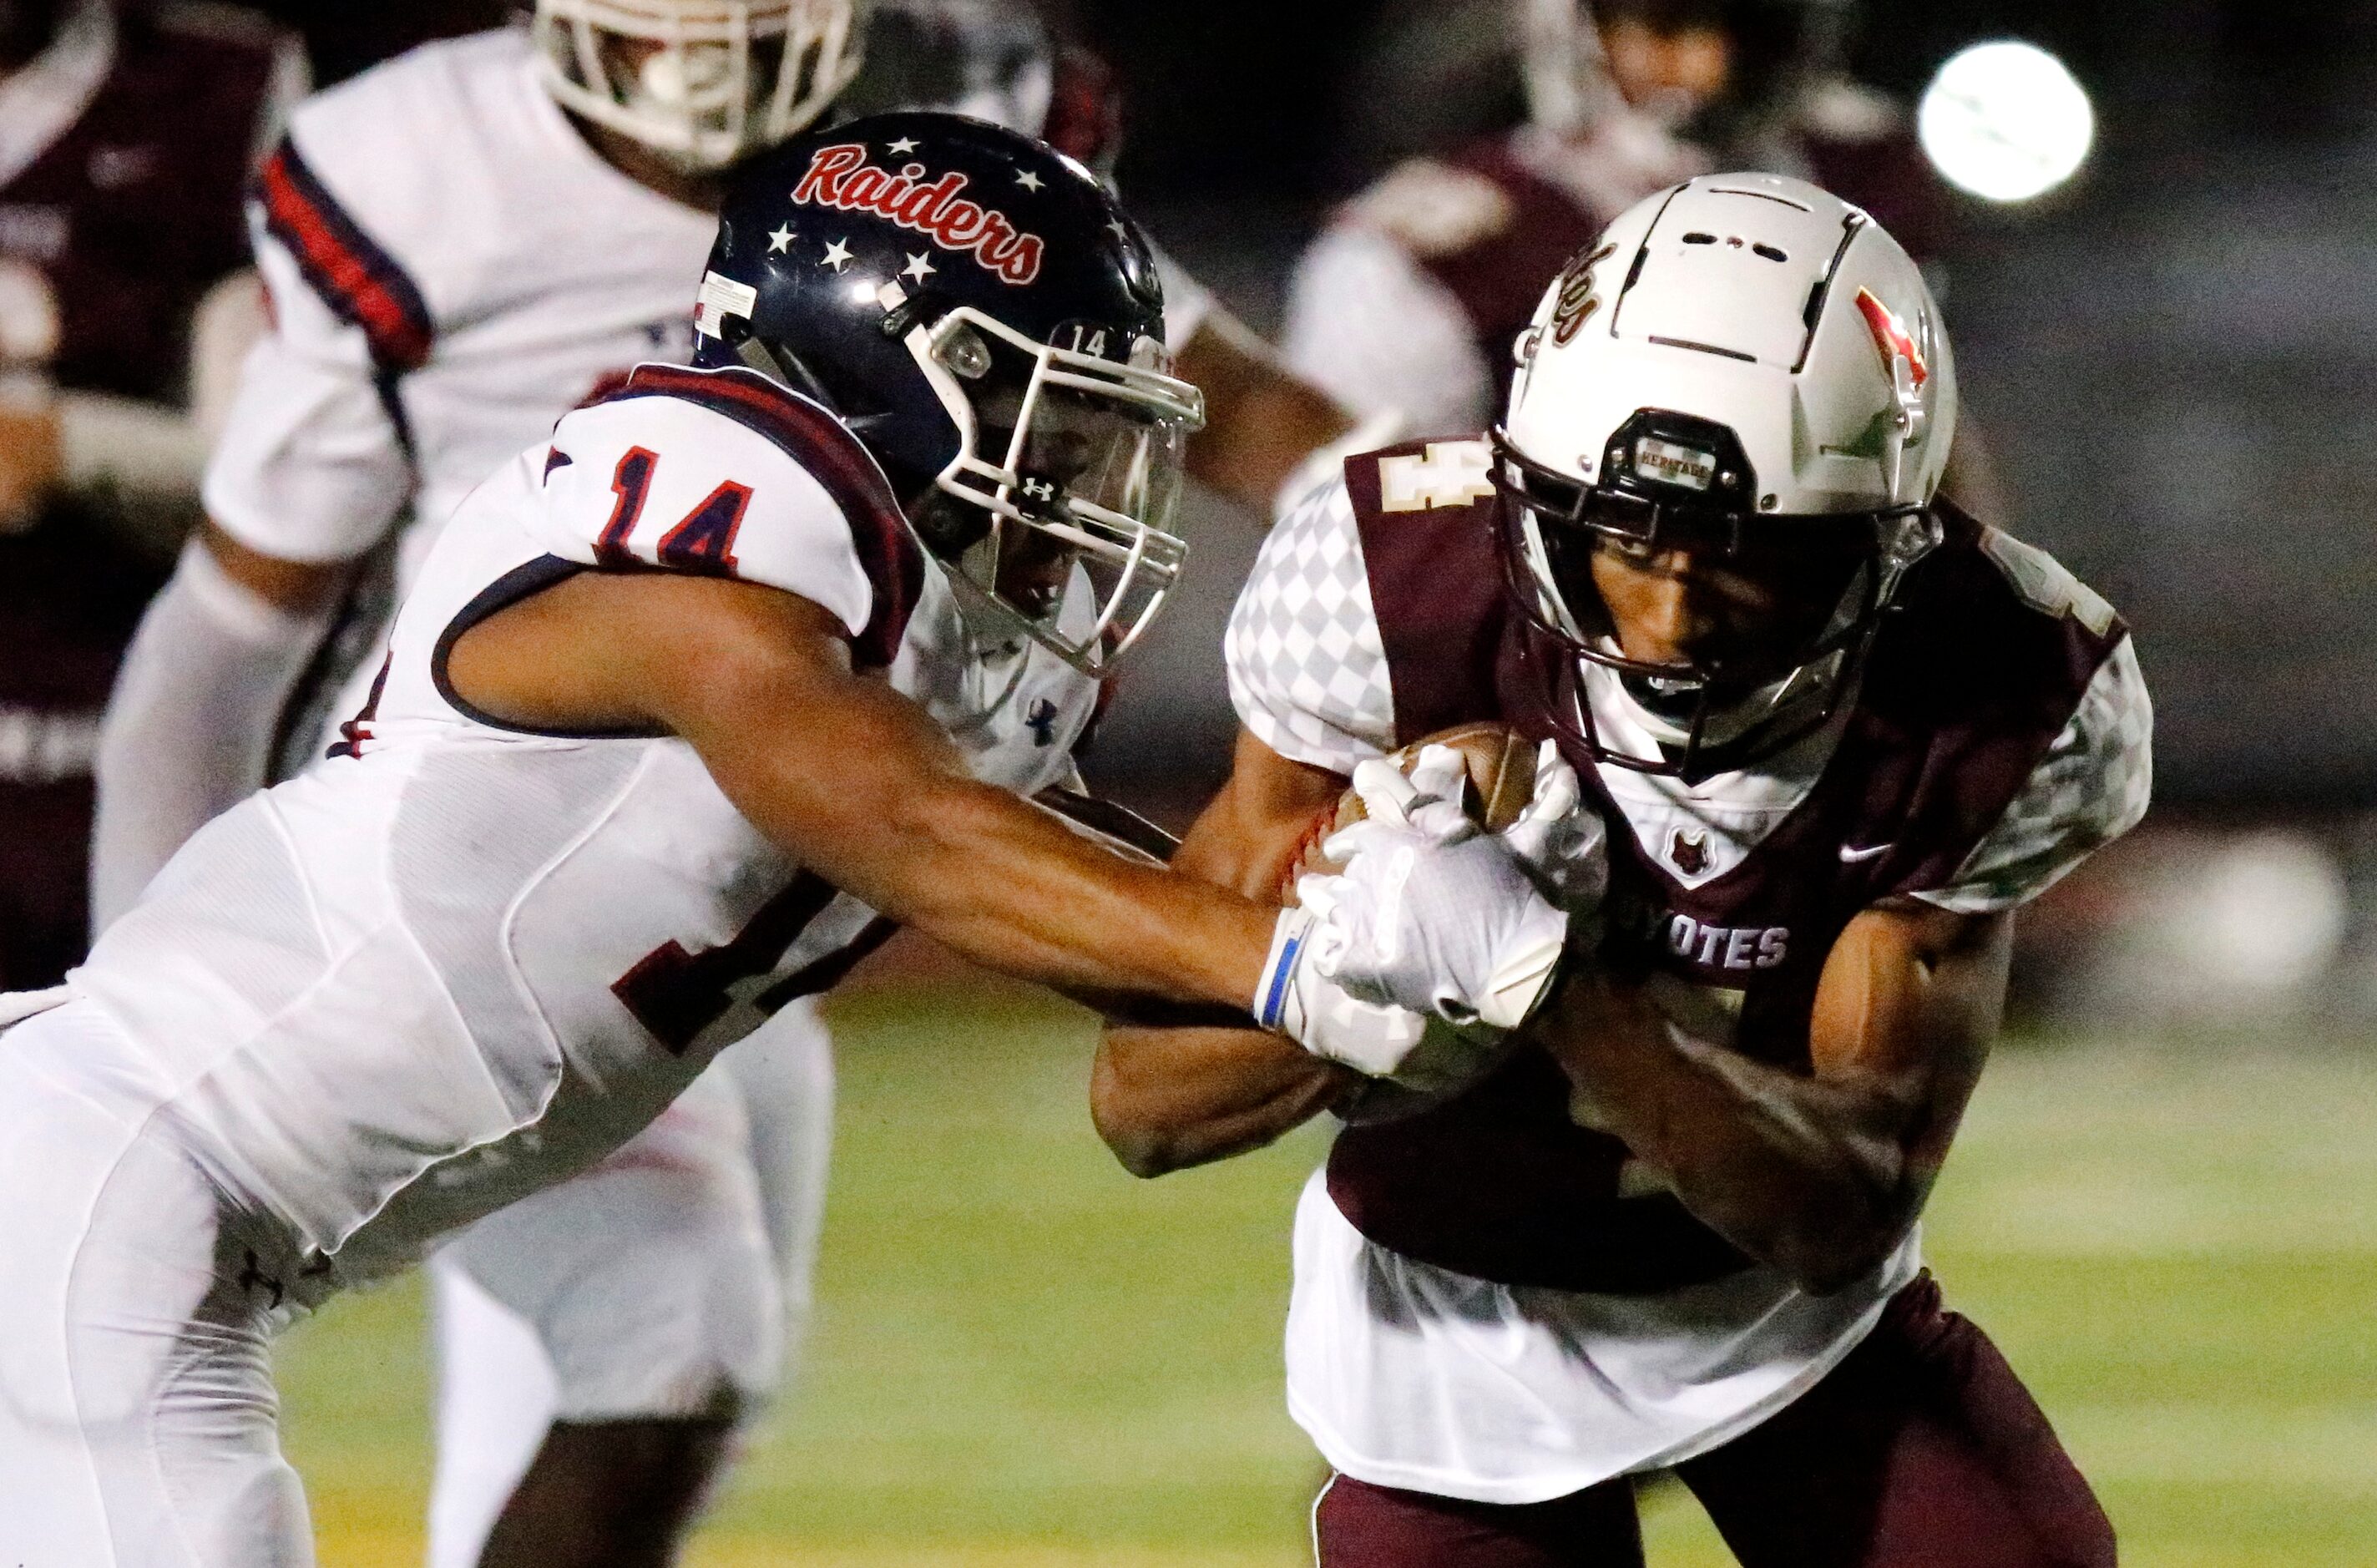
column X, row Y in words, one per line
column 1414, row 297
column 127, row 211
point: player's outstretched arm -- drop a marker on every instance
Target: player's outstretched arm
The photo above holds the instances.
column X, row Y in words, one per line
column 857, row 782
column 1167, row 1098
column 1819, row 1175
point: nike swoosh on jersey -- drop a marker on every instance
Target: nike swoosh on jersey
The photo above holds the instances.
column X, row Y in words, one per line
column 1853, row 857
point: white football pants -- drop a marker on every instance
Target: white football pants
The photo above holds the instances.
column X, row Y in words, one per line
column 138, row 1424
column 671, row 1282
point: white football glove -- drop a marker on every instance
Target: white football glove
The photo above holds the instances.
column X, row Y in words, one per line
column 1426, row 1056
column 1298, row 1001
column 1561, row 840
column 1432, row 914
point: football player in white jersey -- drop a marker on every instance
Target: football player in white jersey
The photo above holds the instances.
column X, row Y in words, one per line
column 689, row 703
column 462, row 246
column 1840, row 733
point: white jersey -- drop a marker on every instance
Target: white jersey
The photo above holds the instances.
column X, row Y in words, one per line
column 460, row 962
column 1413, row 1376
column 452, row 268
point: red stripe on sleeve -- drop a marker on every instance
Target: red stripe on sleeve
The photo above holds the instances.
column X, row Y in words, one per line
column 357, row 279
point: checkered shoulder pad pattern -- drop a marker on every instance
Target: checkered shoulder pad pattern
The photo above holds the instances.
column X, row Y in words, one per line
column 2093, row 786
column 1308, row 669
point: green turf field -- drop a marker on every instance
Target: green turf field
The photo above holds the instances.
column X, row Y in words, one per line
column 1026, row 1358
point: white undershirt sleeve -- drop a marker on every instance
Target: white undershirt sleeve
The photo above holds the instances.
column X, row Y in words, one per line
column 190, row 724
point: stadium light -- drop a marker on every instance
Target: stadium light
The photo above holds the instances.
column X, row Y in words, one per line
column 2007, row 121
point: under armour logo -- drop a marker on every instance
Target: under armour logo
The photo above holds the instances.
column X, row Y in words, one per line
column 256, row 1278
column 1039, row 490
column 1042, row 722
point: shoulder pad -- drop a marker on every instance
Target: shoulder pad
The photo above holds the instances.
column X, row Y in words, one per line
column 387, row 184
column 1842, row 110
column 1434, row 210
column 724, row 474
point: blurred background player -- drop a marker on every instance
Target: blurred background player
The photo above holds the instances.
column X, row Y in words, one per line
column 1412, row 296
column 462, row 246
column 1764, row 84
column 1415, row 293
column 126, row 138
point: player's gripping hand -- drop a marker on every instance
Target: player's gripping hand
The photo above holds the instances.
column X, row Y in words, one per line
column 1432, row 912
column 1564, row 845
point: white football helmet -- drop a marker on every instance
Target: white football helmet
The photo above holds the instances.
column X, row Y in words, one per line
column 1742, row 363
column 704, row 83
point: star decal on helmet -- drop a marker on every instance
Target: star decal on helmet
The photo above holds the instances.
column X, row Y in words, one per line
column 780, row 241
column 919, row 267
column 837, row 254
column 1030, row 182
column 903, row 146
column 842, row 178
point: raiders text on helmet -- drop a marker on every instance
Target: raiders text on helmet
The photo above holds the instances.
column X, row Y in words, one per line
column 704, row 83
column 977, row 309
column 1742, row 362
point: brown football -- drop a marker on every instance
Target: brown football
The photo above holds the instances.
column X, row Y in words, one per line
column 1501, row 783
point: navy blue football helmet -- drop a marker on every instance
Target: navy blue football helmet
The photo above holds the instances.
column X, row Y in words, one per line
column 981, row 313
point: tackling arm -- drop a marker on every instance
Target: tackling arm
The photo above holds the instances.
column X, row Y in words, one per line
column 858, row 782
column 1168, row 1098
column 1820, row 1176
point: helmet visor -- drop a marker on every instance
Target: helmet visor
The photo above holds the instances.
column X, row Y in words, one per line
column 1078, row 462
column 702, row 82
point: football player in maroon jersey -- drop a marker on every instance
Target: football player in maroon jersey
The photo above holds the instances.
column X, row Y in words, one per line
column 125, row 140
column 1838, row 732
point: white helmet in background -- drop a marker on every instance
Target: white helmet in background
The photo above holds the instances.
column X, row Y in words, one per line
column 1742, row 364
column 704, row 83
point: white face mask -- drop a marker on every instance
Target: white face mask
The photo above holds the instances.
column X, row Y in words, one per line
column 704, row 83
column 1088, row 476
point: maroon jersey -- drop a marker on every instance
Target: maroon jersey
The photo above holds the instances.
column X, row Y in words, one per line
column 130, row 216
column 1973, row 676
column 135, row 211
column 1497, row 276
